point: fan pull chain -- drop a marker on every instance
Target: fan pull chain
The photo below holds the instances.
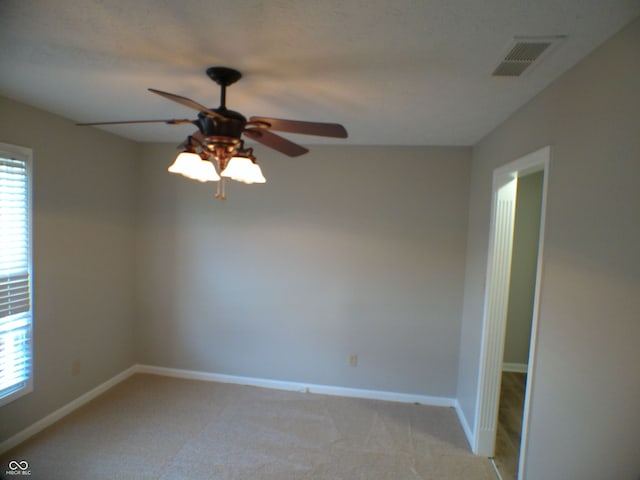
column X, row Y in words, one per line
column 220, row 191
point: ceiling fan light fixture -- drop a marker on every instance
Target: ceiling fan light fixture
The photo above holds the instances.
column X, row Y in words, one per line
column 191, row 165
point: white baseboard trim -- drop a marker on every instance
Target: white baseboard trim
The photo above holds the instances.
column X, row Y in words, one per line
column 515, row 367
column 465, row 424
column 43, row 423
column 300, row 387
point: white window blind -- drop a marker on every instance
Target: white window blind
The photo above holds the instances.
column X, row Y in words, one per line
column 15, row 273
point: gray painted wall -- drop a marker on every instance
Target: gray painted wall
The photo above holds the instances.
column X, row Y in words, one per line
column 345, row 250
column 83, row 258
column 585, row 420
column 524, row 259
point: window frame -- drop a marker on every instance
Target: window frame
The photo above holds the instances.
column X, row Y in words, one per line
column 24, row 154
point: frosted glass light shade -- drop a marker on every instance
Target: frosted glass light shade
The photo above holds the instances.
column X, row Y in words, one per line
column 192, row 166
column 256, row 175
column 237, row 168
column 205, row 172
column 242, row 169
column 185, row 162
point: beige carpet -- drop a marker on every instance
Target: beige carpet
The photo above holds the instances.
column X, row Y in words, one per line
column 151, row 427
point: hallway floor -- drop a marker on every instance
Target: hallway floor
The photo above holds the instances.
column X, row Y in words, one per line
column 510, row 424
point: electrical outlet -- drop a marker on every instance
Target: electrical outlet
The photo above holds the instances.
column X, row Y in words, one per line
column 75, row 368
column 353, row 360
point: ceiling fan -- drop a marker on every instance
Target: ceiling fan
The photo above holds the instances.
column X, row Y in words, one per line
column 218, row 139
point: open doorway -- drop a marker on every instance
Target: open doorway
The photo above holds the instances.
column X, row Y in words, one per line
column 522, row 283
column 504, row 259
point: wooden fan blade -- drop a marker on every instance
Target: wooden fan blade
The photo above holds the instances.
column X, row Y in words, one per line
column 123, row 122
column 306, row 128
column 187, row 102
column 276, row 142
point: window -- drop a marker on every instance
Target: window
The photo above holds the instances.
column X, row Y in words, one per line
column 16, row 311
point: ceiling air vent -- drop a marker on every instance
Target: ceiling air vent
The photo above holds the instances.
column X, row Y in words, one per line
column 523, row 52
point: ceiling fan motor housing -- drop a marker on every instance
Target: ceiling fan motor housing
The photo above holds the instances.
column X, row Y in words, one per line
column 232, row 125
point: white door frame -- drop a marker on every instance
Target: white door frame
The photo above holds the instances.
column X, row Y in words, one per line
column 495, row 303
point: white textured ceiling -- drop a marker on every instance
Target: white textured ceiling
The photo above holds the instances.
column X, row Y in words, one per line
column 402, row 72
